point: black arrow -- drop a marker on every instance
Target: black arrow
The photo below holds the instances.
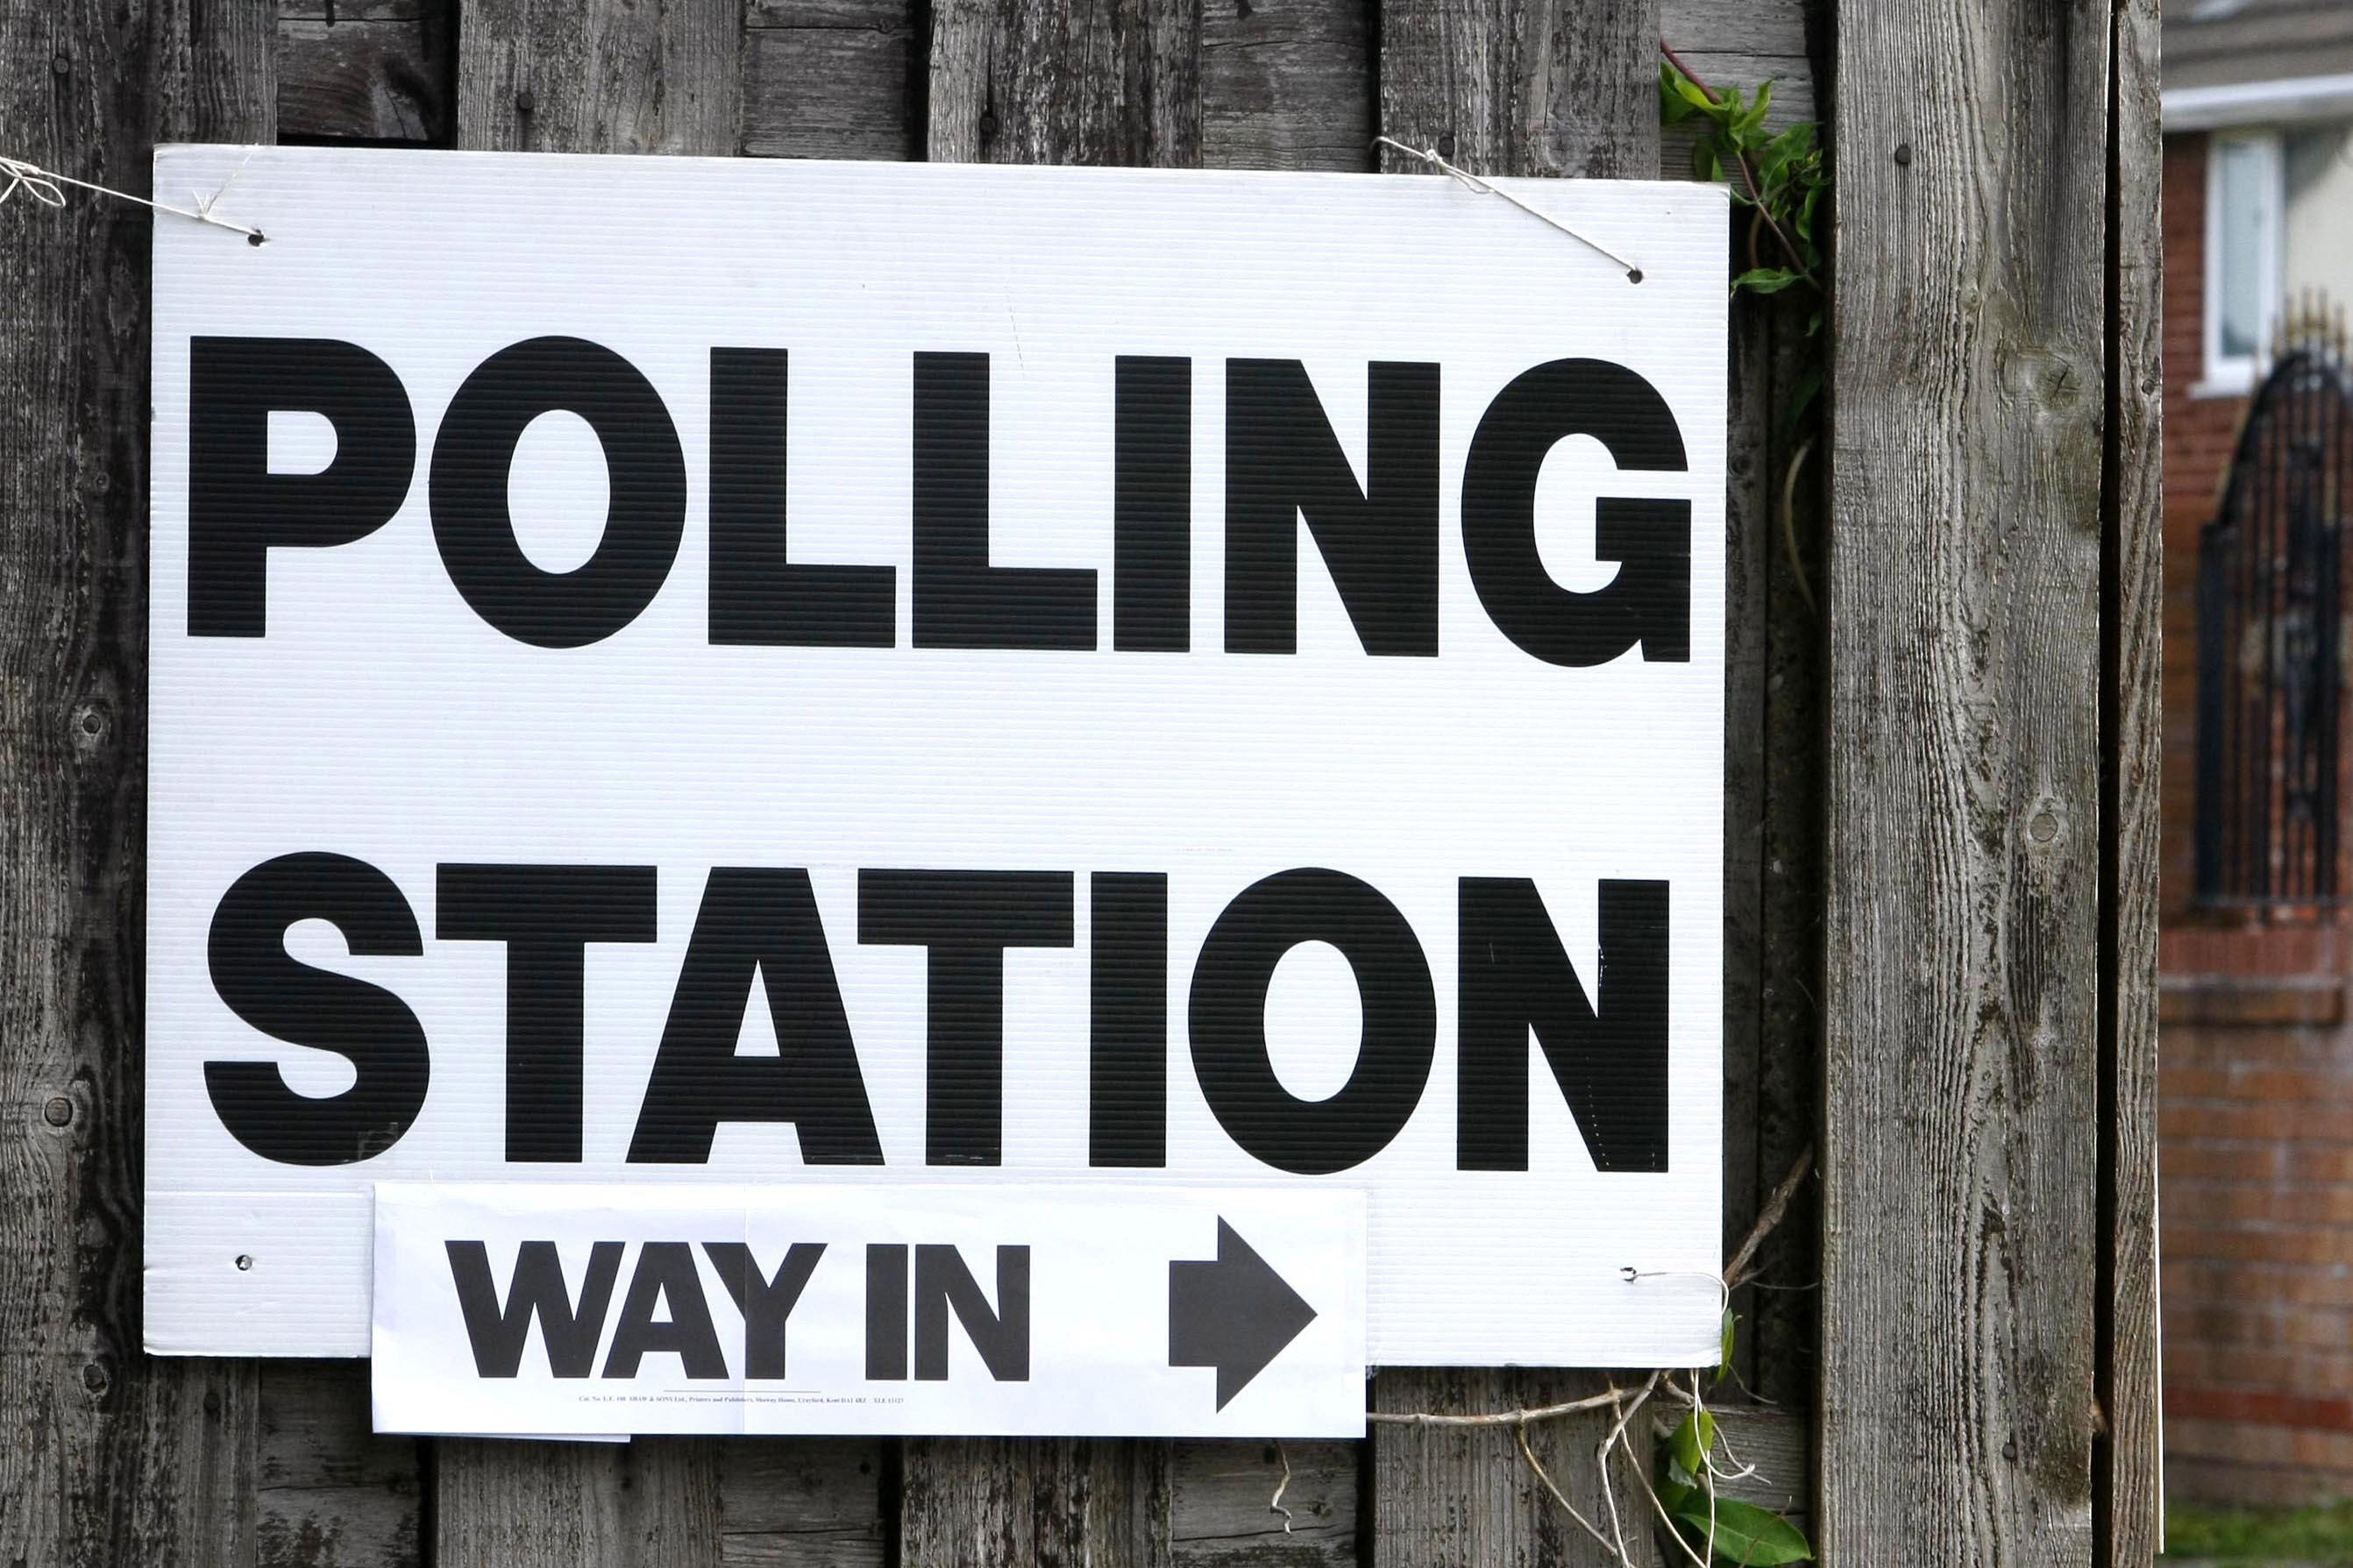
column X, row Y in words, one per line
column 1235, row 1314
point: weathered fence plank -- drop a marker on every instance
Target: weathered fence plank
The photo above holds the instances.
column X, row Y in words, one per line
column 1286, row 84
column 1961, row 1246
column 831, row 79
column 1222, row 1498
column 374, row 70
column 604, row 76
column 106, row 1454
column 2132, row 1504
column 331, row 1493
column 1077, row 81
column 1567, row 87
column 799, row 1503
column 1502, row 87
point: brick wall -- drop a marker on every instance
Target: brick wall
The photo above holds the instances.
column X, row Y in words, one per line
column 2256, row 1128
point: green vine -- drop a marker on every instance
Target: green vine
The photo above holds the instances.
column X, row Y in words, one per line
column 1781, row 175
column 1782, row 180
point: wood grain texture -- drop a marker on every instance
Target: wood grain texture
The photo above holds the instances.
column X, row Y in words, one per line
column 1742, row 44
column 372, row 73
column 1072, row 81
column 1222, row 1512
column 332, row 1494
column 1561, row 87
column 1286, row 84
column 1004, row 1502
column 107, row 1456
column 520, row 1504
column 1465, row 1497
column 831, row 79
column 2132, row 1500
column 1961, row 1250
column 603, row 76
column 796, row 1502
column 1523, row 87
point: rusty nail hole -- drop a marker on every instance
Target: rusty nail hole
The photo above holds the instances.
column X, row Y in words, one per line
column 1903, row 154
column 2045, row 827
column 58, row 1111
column 244, row 1260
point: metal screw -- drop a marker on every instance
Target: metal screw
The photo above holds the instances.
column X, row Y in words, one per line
column 58, row 1111
column 988, row 125
column 526, row 103
column 2044, row 828
column 93, row 1377
column 1446, row 145
column 244, row 1260
column 60, row 66
column 1903, row 153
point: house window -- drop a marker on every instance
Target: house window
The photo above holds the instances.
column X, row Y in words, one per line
column 2244, row 222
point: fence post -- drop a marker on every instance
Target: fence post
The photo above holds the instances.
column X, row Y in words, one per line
column 1986, row 941
column 107, row 1456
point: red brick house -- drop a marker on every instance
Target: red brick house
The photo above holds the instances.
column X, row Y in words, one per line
column 2257, row 1088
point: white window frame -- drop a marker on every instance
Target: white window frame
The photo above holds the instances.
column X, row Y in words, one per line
column 2234, row 375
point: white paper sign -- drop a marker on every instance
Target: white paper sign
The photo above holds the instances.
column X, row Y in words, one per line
column 1008, row 1310
column 671, row 672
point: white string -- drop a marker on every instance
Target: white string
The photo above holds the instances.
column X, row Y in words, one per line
column 42, row 185
column 1472, row 181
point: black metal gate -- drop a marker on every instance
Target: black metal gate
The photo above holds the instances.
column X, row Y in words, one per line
column 2271, row 595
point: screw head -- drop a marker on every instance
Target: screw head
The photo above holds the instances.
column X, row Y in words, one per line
column 244, row 1260
column 526, row 102
column 1903, row 153
column 60, row 66
column 58, row 1111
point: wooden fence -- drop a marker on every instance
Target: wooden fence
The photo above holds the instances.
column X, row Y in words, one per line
column 1940, row 872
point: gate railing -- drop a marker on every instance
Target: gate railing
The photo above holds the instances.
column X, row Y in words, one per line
column 2270, row 594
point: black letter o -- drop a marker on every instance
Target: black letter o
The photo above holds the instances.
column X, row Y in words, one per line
column 471, row 457
column 1313, row 1137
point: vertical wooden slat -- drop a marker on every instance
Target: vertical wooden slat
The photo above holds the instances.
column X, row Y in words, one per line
column 1523, row 86
column 1286, row 84
column 332, row 1494
column 2132, row 1500
column 604, row 76
column 1075, row 81
column 106, row 1454
column 831, row 79
column 1961, row 1244
column 1072, row 81
column 1563, row 88
column 600, row 76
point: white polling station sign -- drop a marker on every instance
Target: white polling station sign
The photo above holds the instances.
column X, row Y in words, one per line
column 671, row 672
column 1009, row 1309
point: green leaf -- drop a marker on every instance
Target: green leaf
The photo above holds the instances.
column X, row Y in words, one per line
column 1678, row 1492
column 1688, row 1444
column 1724, row 1350
column 1746, row 1533
column 1704, row 164
column 1755, row 118
column 1673, row 107
column 1766, row 280
column 1691, row 92
column 1801, row 396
